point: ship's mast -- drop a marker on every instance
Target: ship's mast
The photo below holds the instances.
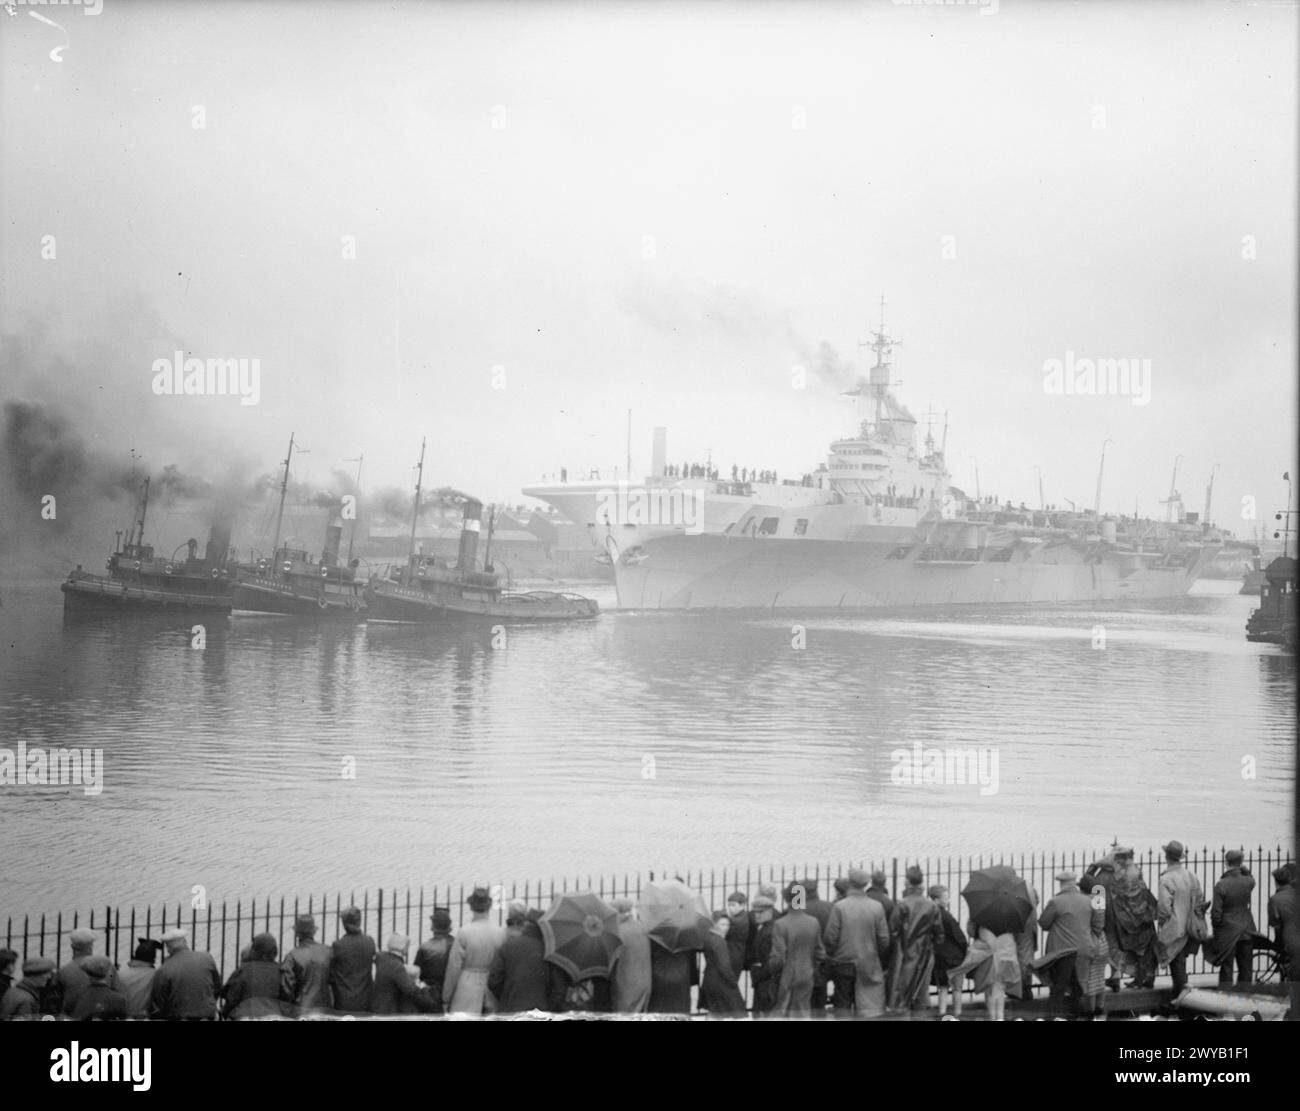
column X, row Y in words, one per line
column 144, row 508
column 415, row 512
column 1170, row 513
column 284, row 486
column 1209, row 494
column 1042, row 504
column 356, row 485
column 1101, row 467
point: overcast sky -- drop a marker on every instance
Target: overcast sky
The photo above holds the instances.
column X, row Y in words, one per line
column 660, row 208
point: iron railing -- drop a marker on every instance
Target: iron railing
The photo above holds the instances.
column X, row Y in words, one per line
column 225, row 929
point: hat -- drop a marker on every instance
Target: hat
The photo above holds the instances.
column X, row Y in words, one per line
column 809, row 888
column 1173, row 849
column 146, row 949
column 936, row 890
column 878, row 877
column 1122, row 850
column 480, row 900
column 915, row 875
column 82, row 938
column 350, row 916
column 97, row 968
column 174, row 934
column 34, row 966
column 264, row 947
column 841, row 886
column 737, row 897
column 764, row 902
column 1233, row 856
column 622, row 904
column 440, row 920
column 858, row 878
column 517, row 907
column 1067, row 877
column 397, row 943
column 304, row 926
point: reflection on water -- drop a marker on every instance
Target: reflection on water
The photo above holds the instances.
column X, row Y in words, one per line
column 638, row 740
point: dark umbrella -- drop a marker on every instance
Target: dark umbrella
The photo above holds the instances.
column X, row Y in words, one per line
column 998, row 899
column 674, row 915
column 581, row 934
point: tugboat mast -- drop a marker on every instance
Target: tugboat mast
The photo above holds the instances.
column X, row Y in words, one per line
column 144, row 508
column 415, row 512
column 284, row 486
column 356, row 485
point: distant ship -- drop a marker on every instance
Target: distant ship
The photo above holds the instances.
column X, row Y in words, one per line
column 427, row 590
column 289, row 584
column 889, row 530
column 137, row 578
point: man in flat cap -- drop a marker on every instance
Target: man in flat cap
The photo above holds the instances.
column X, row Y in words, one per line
column 1068, row 956
column 1233, row 921
column 186, row 987
column 857, row 936
column 738, row 932
column 352, row 962
column 394, row 991
column 71, row 980
column 305, row 970
column 1180, row 914
column 761, row 976
column 797, row 953
column 23, row 1001
column 97, row 1002
column 919, row 932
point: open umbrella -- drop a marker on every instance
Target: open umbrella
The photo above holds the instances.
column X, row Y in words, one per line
column 998, row 899
column 581, row 934
column 674, row 915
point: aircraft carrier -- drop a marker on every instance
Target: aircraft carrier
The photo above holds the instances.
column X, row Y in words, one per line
column 884, row 528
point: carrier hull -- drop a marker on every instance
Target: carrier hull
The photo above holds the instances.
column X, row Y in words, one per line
column 708, row 572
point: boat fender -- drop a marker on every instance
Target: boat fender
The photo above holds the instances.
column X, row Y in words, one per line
column 169, row 569
column 108, row 564
column 324, row 571
column 215, row 573
column 286, row 567
column 420, row 572
column 322, row 603
column 137, row 565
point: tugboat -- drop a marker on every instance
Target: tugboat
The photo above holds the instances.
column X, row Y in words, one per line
column 1274, row 621
column 427, row 590
column 138, row 578
column 289, row 584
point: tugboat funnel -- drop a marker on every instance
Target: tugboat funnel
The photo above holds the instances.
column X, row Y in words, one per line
column 469, row 531
column 333, row 535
